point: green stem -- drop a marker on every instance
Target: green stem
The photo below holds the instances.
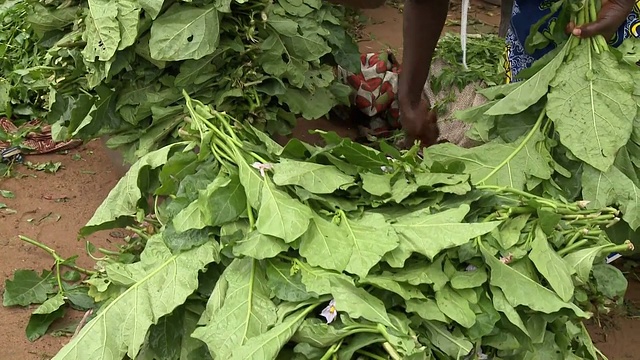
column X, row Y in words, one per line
column 155, row 210
column 574, row 238
column 42, row 246
column 58, row 277
column 258, row 157
column 214, row 152
column 370, row 354
column 138, row 232
column 593, row 216
column 391, row 351
column 250, row 215
column 108, row 252
column 210, row 125
column 226, row 124
column 332, row 350
column 595, row 46
column 546, row 126
column 541, row 200
column 575, row 246
column 627, row 246
column 221, row 152
column 55, row 256
column 228, row 148
column 593, row 15
column 582, row 14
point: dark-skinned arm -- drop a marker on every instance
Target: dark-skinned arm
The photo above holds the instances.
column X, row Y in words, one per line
column 423, row 23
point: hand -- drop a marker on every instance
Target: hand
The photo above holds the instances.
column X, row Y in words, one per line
column 612, row 14
column 419, row 123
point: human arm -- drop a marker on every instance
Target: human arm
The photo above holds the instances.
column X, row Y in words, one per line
column 423, row 23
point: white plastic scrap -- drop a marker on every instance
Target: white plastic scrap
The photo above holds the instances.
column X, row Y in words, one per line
column 463, row 31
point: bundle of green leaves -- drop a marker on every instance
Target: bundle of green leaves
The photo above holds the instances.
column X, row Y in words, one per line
column 483, row 62
column 300, row 252
column 25, row 77
column 568, row 130
column 264, row 62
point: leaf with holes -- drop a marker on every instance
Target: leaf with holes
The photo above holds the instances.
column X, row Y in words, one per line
column 591, row 103
column 103, row 30
column 185, row 32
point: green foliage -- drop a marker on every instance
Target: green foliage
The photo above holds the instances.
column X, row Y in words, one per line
column 121, row 66
column 483, row 61
column 568, row 130
column 416, row 264
column 26, row 77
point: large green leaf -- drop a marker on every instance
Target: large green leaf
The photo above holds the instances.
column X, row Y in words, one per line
column 531, row 90
column 285, row 285
column 427, row 309
column 551, row 266
column 428, row 234
column 372, row 237
column 103, row 30
column 326, row 244
column 27, row 287
column 612, row 187
column 520, row 289
column 501, row 304
column 128, row 18
column 43, row 19
column 220, row 203
column 185, row 32
column 152, row 7
column 269, row 344
column 316, row 178
column 455, row 306
column 582, row 261
column 499, row 163
column 122, row 202
column 591, row 104
column 259, row 246
column 162, row 282
column 319, row 280
column 252, row 183
column 358, row 303
column 281, row 215
column 454, row 345
column 245, row 313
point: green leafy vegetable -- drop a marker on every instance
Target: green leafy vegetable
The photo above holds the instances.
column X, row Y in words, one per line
column 256, row 253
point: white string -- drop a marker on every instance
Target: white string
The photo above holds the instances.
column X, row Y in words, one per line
column 463, row 31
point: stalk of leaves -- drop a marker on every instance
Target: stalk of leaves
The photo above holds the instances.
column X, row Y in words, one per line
column 568, row 129
column 253, row 239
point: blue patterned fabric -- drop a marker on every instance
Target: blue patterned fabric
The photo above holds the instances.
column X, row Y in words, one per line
column 527, row 12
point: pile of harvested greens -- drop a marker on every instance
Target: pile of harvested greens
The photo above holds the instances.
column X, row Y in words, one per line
column 256, row 251
column 263, row 62
column 569, row 130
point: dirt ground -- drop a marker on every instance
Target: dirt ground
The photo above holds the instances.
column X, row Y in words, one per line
column 51, row 208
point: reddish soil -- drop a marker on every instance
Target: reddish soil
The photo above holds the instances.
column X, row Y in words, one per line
column 50, row 208
column 84, row 183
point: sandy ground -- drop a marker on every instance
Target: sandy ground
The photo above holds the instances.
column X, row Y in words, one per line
column 90, row 172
